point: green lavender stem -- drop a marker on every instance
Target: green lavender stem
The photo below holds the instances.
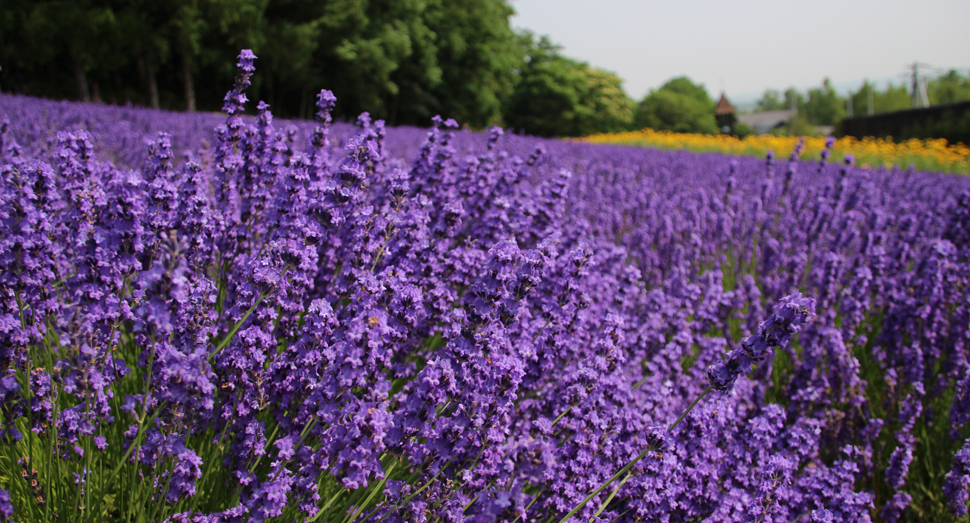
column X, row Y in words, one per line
column 630, row 465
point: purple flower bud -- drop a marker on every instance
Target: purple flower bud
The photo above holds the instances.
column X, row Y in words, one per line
column 494, row 134
column 822, row 516
column 957, row 486
column 246, row 59
column 6, row 508
column 775, row 332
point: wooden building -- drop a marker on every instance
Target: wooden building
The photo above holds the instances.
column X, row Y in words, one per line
column 726, row 115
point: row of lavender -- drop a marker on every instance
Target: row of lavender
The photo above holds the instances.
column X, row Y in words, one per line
column 278, row 328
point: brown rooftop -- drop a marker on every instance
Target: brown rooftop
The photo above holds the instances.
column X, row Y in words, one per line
column 724, row 106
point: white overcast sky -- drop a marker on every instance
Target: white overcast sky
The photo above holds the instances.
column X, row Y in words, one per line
column 747, row 46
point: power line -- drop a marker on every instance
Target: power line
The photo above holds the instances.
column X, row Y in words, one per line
column 918, row 85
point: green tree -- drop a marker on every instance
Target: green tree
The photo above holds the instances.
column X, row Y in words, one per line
column 364, row 43
column 143, row 24
column 824, row 106
column 680, row 106
column 860, row 99
column 948, row 88
column 401, row 60
column 771, row 100
column 606, row 105
column 893, row 98
column 352, row 47
column 23, row 46
column 683, row 85
column 478, row 53
column 558, row 96
column 413, row 100
column 230, row 25
column 293, row 57
column 794, row 100
column 667, row 110
column 127, row 49
column 187, row 27
column 74, row 36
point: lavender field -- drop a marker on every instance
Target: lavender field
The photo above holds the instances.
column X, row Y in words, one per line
column 222, row 318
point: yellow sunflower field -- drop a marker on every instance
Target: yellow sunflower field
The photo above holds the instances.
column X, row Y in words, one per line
column 926, row 155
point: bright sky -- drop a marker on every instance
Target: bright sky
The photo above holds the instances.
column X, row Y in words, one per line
column 747, row 46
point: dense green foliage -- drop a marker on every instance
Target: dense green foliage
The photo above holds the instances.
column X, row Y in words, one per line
column 558, row 96
column 820, row 106
column 892, row 98
column 135, row 50
column 824, row 106
column 771, row 100
column 680, row 106
column 403, row 60
column 948, row 88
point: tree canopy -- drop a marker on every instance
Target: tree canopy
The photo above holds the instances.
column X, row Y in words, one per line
column 683, row 85
column 824, row 106
column 770, row 101
column 948, row 88
column 892, row 98
column 679, row 105
column 557, row 96
column 402, row 60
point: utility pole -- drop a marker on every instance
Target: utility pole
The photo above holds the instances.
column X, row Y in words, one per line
column 848, row 103
column 870, row 106
column 918, row 88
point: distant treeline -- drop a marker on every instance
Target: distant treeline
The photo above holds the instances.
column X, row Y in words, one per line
column 402, row 60
column 823, row 106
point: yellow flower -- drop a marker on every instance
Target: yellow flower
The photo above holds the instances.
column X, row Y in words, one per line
column 930, row 155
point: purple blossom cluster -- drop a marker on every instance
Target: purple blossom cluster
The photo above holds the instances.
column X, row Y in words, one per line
column 334, row 322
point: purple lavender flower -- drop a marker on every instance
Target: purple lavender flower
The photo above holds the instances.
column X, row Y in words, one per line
column 504, row 320
column 6, row 508
column 957, row 486
column 236, row 98
column 775, row 332
column 822, row 516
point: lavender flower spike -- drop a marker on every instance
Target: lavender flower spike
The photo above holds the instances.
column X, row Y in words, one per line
column 775, row 332
column 6, row 508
